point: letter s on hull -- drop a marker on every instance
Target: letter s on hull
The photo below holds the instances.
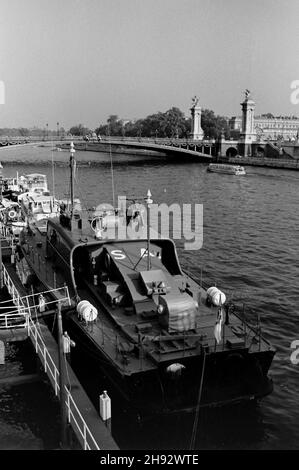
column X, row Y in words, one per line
column 118, row 254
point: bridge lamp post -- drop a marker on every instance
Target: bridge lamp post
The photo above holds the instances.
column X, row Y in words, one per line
column 57, row 130
column 156, row 134
column 47, row 126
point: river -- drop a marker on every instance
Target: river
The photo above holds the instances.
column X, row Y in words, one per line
column 250, row 248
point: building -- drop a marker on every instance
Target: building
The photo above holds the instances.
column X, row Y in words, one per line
column 268, row 127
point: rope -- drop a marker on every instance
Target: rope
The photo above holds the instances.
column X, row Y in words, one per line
column 195, row 424
column 54, row 319
column 67, row 373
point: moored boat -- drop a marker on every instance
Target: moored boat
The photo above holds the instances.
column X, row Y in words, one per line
column 14, row 187
column 167, row 342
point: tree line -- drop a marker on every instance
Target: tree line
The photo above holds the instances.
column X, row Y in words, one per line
column 170, row 124
column 33, row 132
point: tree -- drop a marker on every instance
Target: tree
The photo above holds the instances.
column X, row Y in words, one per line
column 114, row 126
column 23, row 131
column 213, row 125
column 79, row 129
column 268, row 115
column 171, row 124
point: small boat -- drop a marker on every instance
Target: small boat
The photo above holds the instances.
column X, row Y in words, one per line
column 38, row 206
column 11, row 217
column 13, row 188
column 165, row 341
column 227, row 169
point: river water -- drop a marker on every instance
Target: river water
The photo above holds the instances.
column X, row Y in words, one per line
column 250, row 248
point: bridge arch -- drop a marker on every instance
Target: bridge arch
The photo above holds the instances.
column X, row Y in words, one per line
column 231, row 152
column 260, row 151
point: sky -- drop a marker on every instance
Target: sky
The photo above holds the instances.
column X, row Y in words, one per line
column 79, row 61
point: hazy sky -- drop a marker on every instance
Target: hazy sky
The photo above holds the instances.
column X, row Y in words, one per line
column 77, row 61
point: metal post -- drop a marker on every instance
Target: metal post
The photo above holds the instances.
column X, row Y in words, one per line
column 63, row 413
column 148, row 201
column 72, row 161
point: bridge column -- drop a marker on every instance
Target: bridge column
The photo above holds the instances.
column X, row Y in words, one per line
column 248, row 134
column 196, row 130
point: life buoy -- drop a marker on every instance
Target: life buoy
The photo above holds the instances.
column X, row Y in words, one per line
column 95, row 223
column 12, row 214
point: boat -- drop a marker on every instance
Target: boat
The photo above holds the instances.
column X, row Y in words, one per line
column 38, row 206
column 227, row 169
column 14, row 187
column 165, row 341
column 31, row 194
column 11, row 217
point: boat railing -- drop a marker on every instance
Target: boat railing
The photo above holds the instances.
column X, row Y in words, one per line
column 250, row 320
column 74, row 416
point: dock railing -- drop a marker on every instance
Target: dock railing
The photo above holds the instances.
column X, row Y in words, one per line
column 23, row 313
column 17, row 318
column 75, row 418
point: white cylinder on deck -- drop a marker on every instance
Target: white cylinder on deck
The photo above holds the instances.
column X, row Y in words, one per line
column 87, row 311
column 217, row 297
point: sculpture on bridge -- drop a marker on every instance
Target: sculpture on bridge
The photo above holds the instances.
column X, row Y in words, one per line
column 195, row 101
column 247, row 94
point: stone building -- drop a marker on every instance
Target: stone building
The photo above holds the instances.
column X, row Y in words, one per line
column 269, row 128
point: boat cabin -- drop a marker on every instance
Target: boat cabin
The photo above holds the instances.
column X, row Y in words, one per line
column 39, row 205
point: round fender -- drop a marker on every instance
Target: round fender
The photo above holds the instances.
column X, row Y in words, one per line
column 12, row 214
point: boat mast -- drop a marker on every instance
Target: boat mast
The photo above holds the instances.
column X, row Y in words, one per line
column 72, row 166
column 148, row 201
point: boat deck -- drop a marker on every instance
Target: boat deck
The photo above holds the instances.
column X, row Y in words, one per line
column 119, row 331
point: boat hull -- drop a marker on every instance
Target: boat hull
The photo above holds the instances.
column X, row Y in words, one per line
column 228, row 378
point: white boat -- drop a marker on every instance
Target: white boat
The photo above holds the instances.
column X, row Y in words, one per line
column 39, row 206
column 34, row 182
column 227, row 169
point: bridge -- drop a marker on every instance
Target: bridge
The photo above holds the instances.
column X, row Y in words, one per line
column 170, row 148
column 174, row 148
